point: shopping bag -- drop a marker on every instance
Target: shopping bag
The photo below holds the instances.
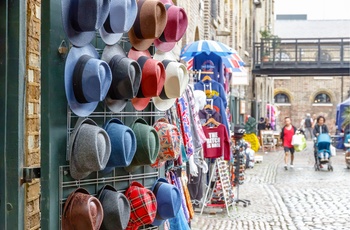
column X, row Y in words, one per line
column 333, row 151
column 302, row 146
column 297, row 139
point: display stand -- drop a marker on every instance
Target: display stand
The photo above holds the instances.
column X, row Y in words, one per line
column 238, row 156
column 220, row 167
column 267, row 139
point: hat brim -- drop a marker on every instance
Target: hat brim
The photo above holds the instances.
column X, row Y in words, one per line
column 80, row 109
column 164, row 46
column 160, row 56
column 110, row 38
column 108, row 53
column 78, row 39
column 139, row 44
column 140, row 103
column 72, row 168
column 163, row 105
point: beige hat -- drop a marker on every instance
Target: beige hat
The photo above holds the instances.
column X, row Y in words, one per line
column 175, row 84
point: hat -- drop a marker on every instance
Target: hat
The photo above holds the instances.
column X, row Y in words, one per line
column 82, row 18
column 143, row 205
column 82, row 211
column 89, row 148
column 175, row 28
column 238, row 130
column 87, row 80
column 175, row 84
column 200, row 99
column 123, row 144
column 121, row 17
column 170, row 142
column 147, row 144
column 149, row 24
column 168, row 200
column 116, row 208
column 126, row 77
column 153, row 77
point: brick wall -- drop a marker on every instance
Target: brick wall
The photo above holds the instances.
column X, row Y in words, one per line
column 32, row 113
column 302, row 91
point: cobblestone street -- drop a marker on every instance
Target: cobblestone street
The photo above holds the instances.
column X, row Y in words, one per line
column 299, row 198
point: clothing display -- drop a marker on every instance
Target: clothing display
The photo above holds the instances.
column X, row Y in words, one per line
column 205, row 114
column 218, row 143
column 210, row 63
column 212, row 88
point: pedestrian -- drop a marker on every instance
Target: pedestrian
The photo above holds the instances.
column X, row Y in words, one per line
column 267, row 124
column 287, row 133
column 261, row 125
column 319, row 128
column 308, row 126
column 314, row 118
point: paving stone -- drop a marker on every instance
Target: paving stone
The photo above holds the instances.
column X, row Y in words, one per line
column 295, row 199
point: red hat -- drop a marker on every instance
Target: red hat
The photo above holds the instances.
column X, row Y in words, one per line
column 175, row 27
column 153, row 77
column 143, row 205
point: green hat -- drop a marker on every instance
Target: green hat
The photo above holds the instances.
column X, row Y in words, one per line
column 147, row 144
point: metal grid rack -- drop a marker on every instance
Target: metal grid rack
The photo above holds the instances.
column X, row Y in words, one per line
column 118, row 178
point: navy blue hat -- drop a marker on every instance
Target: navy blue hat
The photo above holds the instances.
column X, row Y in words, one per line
column 168, row 200
column 123, row 143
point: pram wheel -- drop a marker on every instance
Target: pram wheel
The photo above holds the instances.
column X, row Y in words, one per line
column 330, row 168
column 317, row 167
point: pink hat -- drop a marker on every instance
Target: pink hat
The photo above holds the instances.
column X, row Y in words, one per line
column 175, row 28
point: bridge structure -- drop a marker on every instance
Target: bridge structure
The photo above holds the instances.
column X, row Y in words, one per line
column 302, row 57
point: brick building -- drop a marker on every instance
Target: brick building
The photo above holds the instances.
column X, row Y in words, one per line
column 296, row 96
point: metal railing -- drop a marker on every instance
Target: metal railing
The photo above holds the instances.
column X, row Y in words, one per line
column 302, row 52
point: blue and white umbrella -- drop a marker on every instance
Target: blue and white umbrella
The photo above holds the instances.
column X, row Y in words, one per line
column 205, row 46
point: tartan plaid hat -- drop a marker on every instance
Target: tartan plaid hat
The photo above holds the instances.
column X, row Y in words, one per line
column 168, row 201
column 170, row 142
column 82, row 211
column 143, row 205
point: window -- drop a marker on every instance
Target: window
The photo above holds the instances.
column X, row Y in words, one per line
column 322, row 98
column 281, row 98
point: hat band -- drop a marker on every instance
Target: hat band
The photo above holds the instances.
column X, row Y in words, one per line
column 118, row 77
column 89, row 22
column 162, row 94
column 78, row 78
column 141, row 60
column 137, row 23
column 162, row 36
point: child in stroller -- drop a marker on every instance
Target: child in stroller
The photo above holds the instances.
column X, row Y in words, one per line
column 322, row 151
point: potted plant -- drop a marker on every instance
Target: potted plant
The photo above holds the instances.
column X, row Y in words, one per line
column 269, row 42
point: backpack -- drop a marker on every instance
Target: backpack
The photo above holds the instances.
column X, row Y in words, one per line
column 308, row 123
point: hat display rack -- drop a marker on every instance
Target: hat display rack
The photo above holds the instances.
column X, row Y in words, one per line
column 117, row 98
column 118, row 178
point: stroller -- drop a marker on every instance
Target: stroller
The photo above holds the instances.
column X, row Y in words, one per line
column 322, row 151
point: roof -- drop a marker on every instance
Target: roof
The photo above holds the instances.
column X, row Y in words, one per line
column 312, row 28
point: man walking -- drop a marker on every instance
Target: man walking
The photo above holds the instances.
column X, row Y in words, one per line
column 286, row 136
column 308, row 126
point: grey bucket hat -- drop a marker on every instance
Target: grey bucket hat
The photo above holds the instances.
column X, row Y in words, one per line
column 116, row 208
column 89, row 148
column 126, row 77
column 81, row 19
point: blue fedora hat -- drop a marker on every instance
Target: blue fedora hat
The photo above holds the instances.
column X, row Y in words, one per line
column 87, row 79
column 168, row 201
column 123, row 144
column 121, row 18
column 81, row 19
